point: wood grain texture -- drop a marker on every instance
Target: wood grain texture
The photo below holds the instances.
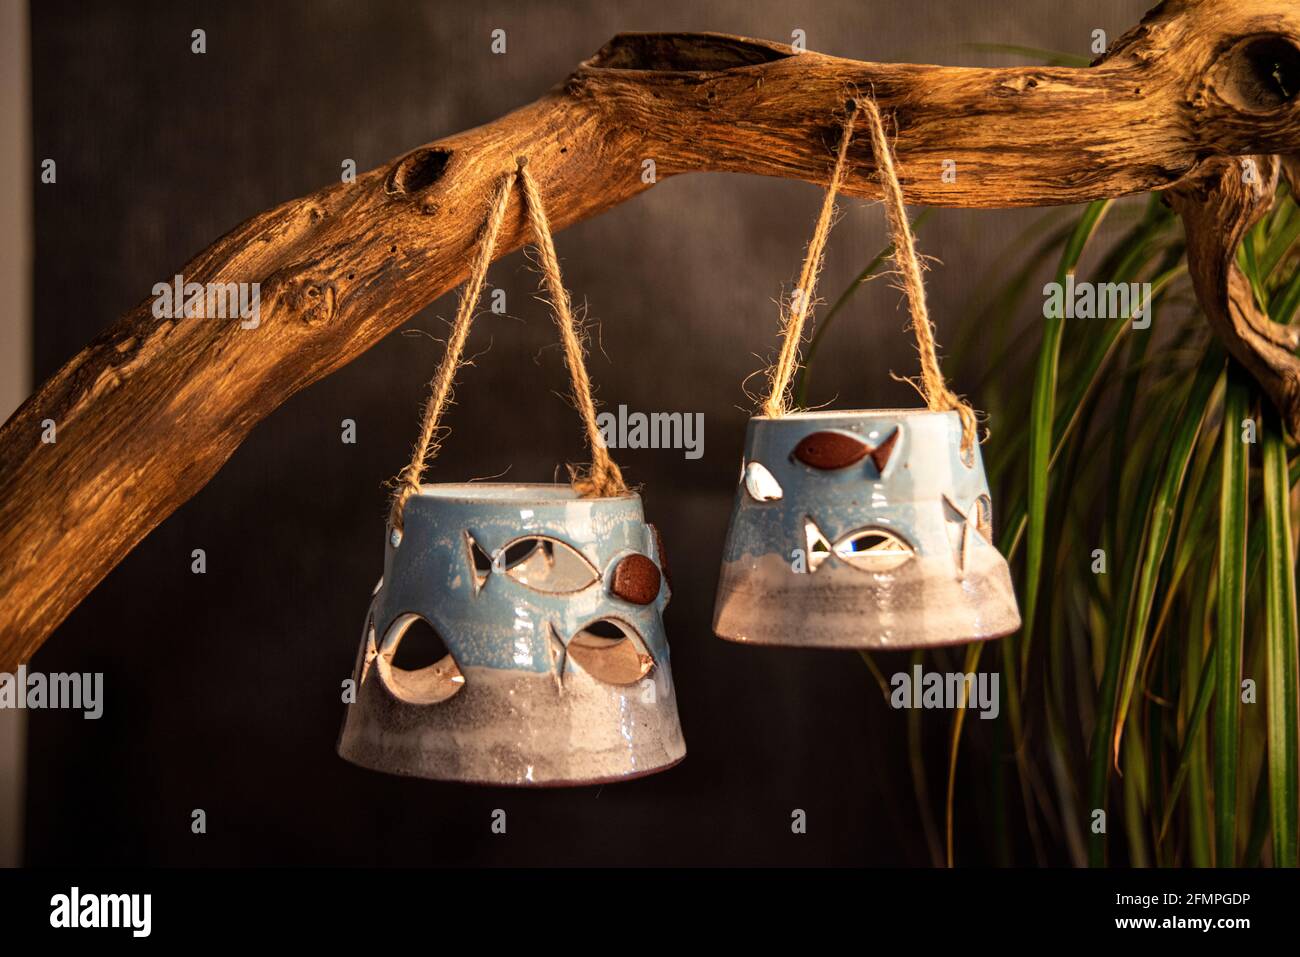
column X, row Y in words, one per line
column 1219, row 206
column 148, row 412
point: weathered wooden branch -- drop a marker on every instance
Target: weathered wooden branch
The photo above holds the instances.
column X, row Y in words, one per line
column 148, row 412
column 1218, row 206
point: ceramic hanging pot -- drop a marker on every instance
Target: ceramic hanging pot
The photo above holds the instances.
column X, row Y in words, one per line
column 550, row 608
column 862, row 530
column 547, row 600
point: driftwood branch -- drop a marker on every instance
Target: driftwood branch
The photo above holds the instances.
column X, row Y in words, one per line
column 148, row 412
column 1218, row 206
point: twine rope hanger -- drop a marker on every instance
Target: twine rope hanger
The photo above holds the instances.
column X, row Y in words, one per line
column 604, row 478
column 931, row 383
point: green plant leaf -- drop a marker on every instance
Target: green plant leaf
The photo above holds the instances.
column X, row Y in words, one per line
column 1158, row 524
column 1284, row 303
column 1205, row 688
column 1042, row 420
column 1234, row 501
column 1280, row 630
column 1126, row 540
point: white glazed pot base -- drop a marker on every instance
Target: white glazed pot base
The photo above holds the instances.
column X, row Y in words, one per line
column 518, row 728
column 762, row 602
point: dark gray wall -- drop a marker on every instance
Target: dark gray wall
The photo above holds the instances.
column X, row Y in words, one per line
column 223, row 689
column 15, row 339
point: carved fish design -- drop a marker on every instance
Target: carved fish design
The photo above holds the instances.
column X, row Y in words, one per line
column 829, row 451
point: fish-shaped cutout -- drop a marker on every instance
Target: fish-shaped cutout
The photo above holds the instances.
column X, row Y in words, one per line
column 831, row 450
column 544, row 564
column 871, row 549
column 551, row 566
column 423, row 673
column 979, row 516
column 610, row 651
column 607, row 649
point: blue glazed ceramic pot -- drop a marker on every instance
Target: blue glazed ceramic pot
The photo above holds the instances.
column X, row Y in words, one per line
column 550, row 608
column 862, row 530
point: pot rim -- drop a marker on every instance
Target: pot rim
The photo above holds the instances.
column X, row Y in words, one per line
column 841, row 413
column 512, row 493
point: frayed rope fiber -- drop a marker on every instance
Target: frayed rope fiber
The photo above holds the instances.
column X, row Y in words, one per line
column 604, row 478
column 440, row 389
column 796, row 313
column 932, row 386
